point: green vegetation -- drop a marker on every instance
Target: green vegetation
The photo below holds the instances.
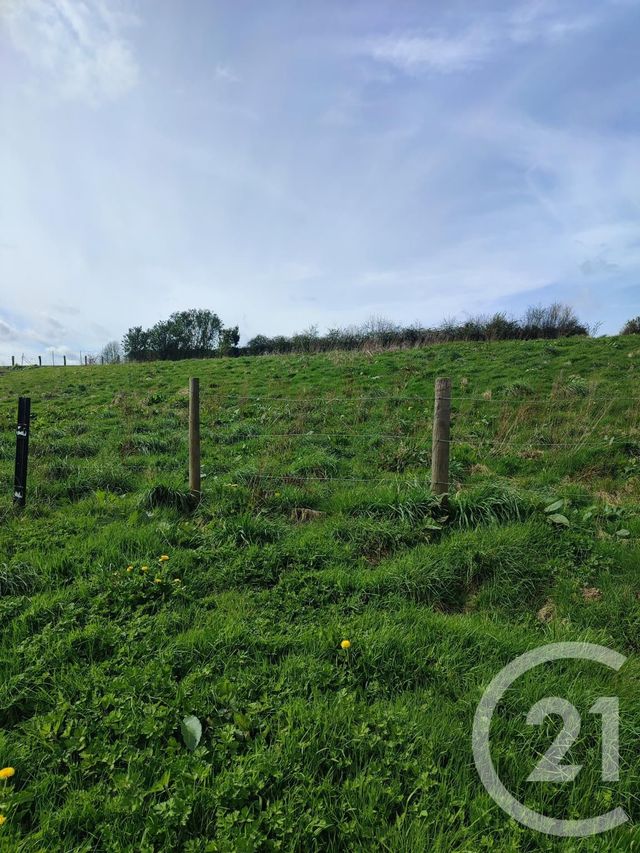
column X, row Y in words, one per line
column 197, row 333
column 632, row 327
column 550, row 322
column 316, row 526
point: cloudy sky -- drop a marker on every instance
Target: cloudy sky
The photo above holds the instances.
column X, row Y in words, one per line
column 288, row 163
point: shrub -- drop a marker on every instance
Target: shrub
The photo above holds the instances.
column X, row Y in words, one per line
column 632, row 327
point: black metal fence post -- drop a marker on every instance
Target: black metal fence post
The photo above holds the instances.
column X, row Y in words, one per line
column 22, row 451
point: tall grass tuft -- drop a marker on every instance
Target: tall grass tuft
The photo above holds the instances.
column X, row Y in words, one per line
column 491, row 502
column 166, row 496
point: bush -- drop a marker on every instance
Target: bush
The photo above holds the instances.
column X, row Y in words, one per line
column 553, row 321
column 632, row 327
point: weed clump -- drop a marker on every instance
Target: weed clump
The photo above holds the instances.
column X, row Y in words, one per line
column 163, row 496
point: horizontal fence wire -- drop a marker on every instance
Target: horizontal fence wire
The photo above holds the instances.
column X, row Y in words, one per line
column 419, row 482
column 577, row 444
column 316, row 478
column 385, row 436
column 210, row 402
column 473, row 441
column 454, row 399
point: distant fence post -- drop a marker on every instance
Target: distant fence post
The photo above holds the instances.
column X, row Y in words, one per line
column 64, row 360
column 194, row 437
column 13, row 361
column 86, row 359
column 39, row 361
column 440, row 442
column 22, row 452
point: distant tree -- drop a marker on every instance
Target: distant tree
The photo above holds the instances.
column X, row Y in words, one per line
column 207, row 331
column 228, row 341
column 632, row 327
column 281, row 344
column 259, row 345
column 554, row 321
column 305, row 341
column 136, row 344
column 195, row 333
column 111, row 353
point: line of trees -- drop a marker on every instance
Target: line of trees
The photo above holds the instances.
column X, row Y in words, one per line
column 553, row 321
column 197, row 333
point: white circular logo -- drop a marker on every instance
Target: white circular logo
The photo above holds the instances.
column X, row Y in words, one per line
column 550, row 767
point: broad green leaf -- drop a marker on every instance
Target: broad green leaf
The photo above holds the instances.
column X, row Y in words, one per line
column 623, row 533
column 559, row 519
column 241, row 721
column 161, row 784
column 555, row 506
column 191, row 729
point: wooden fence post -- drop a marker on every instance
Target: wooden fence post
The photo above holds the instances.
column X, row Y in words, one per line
column 440, row 442
column 194, row 437
column 22, row 452
column 13, row 361
column 39, row 361
column 64, row 360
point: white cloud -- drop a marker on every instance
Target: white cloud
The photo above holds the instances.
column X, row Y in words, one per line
column 7, row 332
column 79, row 46
column 546, row 20
column 449, row 51
column 581, row 190
column 436, row 51
column 226, row 74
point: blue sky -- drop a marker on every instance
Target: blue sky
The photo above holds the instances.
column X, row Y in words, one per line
column 288, row 163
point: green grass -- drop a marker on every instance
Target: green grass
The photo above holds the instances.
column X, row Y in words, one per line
column 317, row 524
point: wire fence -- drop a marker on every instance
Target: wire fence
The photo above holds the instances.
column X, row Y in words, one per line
column 559, row 428
column 249, row 437
column 51, row 359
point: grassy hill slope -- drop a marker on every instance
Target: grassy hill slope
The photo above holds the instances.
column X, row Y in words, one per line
column 317, row 525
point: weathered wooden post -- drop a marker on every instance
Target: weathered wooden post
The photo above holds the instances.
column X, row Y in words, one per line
column 64, row 360
column 39, row 361
column 13, row 361
column 441, row 441
column 86, row 360
column 194, row 437
column 22, row 452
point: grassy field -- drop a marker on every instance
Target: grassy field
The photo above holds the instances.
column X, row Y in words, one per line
column 317, row 525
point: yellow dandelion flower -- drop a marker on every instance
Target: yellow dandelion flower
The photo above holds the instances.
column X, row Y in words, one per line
column 144, row 569
column 345, row 644
column 129, row 568
column 158, row 580
column 2, row 819
column 7, row 772
column 163, row 558
column 176, row 580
